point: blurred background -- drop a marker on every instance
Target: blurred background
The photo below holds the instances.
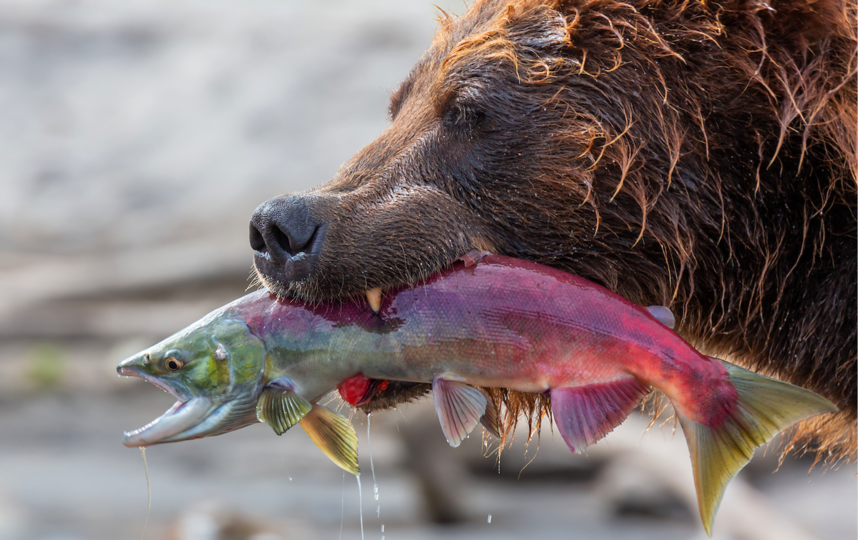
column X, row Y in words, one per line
column 136, row 138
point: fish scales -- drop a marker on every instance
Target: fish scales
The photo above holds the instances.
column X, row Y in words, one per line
column 486, row 321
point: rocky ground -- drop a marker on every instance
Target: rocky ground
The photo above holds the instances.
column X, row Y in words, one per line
column 136, row 139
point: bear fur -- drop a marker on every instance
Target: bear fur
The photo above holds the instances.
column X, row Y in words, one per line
column 699, row 154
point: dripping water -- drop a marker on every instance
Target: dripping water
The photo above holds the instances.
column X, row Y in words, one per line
column 148, row 491
column 360, row 507
column 372, row 468
column 342, row 505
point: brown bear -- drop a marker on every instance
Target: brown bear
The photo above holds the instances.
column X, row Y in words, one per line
column 699, row 154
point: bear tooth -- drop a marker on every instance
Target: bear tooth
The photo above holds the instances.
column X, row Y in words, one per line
column 374, row 298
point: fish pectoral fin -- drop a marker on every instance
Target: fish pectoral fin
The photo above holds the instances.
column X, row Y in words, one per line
column 281, row 408
column 663, row 315
column 334, row 435
column 459, row 406
column 491, row 420
column 585, row 414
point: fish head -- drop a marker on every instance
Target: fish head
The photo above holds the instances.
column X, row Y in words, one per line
column 214, row 370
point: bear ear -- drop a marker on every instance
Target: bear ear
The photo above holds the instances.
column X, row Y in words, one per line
column 539, row 28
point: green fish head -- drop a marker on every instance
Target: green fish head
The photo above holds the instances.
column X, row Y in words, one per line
column 214, row 369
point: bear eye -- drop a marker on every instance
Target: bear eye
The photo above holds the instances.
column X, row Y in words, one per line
column 173, row 363
column 465, row 115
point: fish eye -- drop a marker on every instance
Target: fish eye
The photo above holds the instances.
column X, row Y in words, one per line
column 173, row 363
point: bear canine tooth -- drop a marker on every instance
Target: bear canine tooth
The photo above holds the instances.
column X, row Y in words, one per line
column 373, row 296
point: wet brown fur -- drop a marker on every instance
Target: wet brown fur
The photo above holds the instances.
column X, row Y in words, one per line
column 700, row 155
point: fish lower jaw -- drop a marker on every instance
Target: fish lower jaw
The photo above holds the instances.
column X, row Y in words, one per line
column 182, row 417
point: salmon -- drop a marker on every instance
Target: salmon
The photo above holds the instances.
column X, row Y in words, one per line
column 486, row 321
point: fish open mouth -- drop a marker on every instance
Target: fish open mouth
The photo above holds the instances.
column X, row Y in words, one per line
column 184, row 420
column 191, row 417
column 180, row 422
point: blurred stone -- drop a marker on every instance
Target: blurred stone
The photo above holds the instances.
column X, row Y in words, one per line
column 637, row 493
column 212, row 521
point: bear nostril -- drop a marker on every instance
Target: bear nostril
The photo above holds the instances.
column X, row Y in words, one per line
column 286, row 243
column 257, row 242
column 291, row 245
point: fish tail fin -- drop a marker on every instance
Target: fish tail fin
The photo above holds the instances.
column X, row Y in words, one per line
column 764, row 407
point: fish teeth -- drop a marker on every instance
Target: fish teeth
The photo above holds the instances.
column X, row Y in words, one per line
column 373, row 296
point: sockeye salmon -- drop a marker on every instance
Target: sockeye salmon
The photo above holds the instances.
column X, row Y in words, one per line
column 486, row 321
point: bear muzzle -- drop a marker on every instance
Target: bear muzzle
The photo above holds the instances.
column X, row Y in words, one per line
column 286, row 240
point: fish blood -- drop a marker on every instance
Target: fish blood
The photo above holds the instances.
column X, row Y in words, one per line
column 484, row 322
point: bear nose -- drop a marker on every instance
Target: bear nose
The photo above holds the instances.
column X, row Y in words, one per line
column 285, row 238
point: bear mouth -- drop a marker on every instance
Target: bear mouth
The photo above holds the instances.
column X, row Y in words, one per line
column 275, row 277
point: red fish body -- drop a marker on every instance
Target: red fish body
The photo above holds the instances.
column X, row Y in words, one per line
column 520, row 325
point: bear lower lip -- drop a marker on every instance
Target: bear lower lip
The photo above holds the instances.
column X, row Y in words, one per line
column 296, row 268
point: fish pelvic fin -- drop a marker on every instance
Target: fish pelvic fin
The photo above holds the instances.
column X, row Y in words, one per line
column 281, row 408
column 764, row 407
column 460, row 408
column 585, row 414
column 335, row 436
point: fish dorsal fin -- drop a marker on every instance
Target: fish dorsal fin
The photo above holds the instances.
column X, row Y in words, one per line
column 334, row 435
column 663, row 314
column 491, row 420
column 585, row 414
column 280, row 407
column 473, row 257
column 459, row 407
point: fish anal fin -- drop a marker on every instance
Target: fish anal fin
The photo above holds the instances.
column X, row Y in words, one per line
column 491, row 419
column 585, row 414
column 459, row 406
column 334, row 435
column 281, row 408
column 663, row 315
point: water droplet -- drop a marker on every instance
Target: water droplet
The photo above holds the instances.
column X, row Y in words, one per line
column 372, row 467
column 490, row 518
column 290, row 478
column 382, row 527
column 149, row 489
column 360, row 507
